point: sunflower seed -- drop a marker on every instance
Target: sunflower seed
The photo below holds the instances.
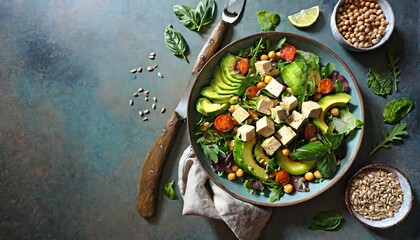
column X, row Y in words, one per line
column 154, row 106
column 152, row 54
column 151, row 57
column 150, row 68
column 147, row 111
column 163, row 110
column 133, row 70
column 141, row 113
column 135, row 94
column 160, row 75
column 131, row 102
column 155, row 99
column 141, row 90
column 145, row 119
column 146, row 92
column 146, row 99
column 155, row 66
column 140, row 69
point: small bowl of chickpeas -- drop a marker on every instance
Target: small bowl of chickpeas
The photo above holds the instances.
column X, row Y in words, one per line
column 362, row 25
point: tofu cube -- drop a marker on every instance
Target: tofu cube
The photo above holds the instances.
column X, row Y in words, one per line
column 289, row 101
column 285, row 134
column 264, row 105
column 275, row 88
column 295, row 120
column 279, row 114
column 270, row 145
column 263, row 67
column 246, row 132
column 265, row 127
column 240, row 114
column 311, row 109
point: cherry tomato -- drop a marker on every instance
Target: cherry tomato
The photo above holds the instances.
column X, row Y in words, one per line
column 325, row 86
column 282, row 177
column 223, row 123
column 251, row 92
column 242, row 65
column 287, row 53
column 310, row 131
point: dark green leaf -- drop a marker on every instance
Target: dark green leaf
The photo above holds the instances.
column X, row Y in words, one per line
column 380, row 83
column 396, row 110
column 396, row 134
column 276, row 193
column 325, row 221
column 188, row 16
column 327, row 70
column 338, row 86
column 344, row 123
column 334, row 139
column 312, row 60
column 312, row 151
column 169, row 191
column 279, row 44
column 175, row 42
column 327, row 166
column 205, row 9
column 268, row 20
column 393, row 66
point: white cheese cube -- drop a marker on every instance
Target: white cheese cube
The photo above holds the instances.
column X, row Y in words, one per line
column 246, row 132
column 240, row 114
column 289, row 101
column 264, row 105
column 263, row 67
column 279, row 114
column 285, row 134
column 265, row 126
column 295, row 120
column 275, row 88
column 270, row 145
column 311, row 109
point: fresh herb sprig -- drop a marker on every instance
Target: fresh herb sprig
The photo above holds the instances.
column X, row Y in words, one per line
column 168, row 190
column 397, row 133
column 379, row 82
column 325, row 221
column 194, row 19
column 268, row 20
column 175, row 42
column 214, row 144
column 393, row 66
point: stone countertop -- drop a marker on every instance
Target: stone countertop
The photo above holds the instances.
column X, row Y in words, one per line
column 71, row 146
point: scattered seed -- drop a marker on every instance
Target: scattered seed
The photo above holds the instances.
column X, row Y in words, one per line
column 145, row 119
column 160, row 75
column 146, row 99
column 140, row 69
column 150, row 68
column 170, row 26
column 135, row 94
column 155, row 99
column 147, row 111
column 154, row 106
column 152, row 54
column 141, row 90
column 141, row 113
column 146, row 92
column 155, row 66
column 151, row 57
column 133, row 70
column 131, row 102
column 163, row 110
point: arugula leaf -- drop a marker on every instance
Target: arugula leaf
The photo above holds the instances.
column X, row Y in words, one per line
column 327, row 69
column 312, row 151
column 268, row 20
column 393, row 66
column 379, row 82
column 396, row 110
column 194, row 19
column 214, row 144
column 396, row 134
column 175, row 42
column 279, row 44
column 276, row 193
column 325, row 221
column 312, row 60
column 169, row 191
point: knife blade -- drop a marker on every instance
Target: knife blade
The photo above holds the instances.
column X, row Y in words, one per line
column 231, row 12
column 149, row 179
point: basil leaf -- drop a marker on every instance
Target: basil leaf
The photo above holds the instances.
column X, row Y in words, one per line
column 187, row 16
column 396, row 110
column 311, row 151
column 325, row 221
column 327, row 70
column 327, row 166
column 205, row 9
column 268, row 20
column 175, row 42
column 334, row 139
column 169, row 191
column 380, row 83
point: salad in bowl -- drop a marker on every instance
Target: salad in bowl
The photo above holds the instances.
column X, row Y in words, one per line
column 273, row 120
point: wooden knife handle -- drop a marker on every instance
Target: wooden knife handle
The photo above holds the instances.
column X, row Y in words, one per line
column 211, row 46
column 147, row 188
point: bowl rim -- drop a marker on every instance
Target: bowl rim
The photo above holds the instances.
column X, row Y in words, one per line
column 336, row 178
column 342, row 41
column 384, row 167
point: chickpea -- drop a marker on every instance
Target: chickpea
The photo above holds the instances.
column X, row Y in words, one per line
column 205, row 126
column 335, row 112
column 275, row 72
column 309, row 176
column 261, row 85
column 231, row 144
column 290, row 91
column 235, row 130
column 267, row 79
column 285, row 151
column 234, row 168
column 231, row 176
column 288, row 188
column 264, row 57
column 317, row 96
column 228, row 170
column 291, row 156
column 240, row 172
column 317, row 174
column 272, row 54
column 233, row 108
column 254, row 114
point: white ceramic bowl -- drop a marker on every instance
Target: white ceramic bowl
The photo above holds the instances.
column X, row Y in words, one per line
column 402, row 212
column 389, row 15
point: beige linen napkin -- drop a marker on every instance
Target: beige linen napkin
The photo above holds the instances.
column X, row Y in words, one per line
column 244, row 219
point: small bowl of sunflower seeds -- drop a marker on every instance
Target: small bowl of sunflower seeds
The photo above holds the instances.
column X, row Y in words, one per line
column 362, row 25
column 379, row 196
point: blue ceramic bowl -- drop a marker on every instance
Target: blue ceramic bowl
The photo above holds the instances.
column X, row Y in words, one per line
column 236, row 188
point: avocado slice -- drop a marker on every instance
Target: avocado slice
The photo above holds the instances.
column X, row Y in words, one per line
column 226, row 80
column 221, row 91
column 221, row 83
column 294, row 167
column 327, row 102
column 227, row 64
column 260, row 155
column 209, row 93
column 210, row 109
column 242, row 155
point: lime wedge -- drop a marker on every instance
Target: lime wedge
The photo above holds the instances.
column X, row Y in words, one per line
column 305, row 17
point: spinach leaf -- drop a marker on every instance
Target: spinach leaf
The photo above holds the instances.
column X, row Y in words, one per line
column 327, row 69
column 312, row 151
column 396, row 134
column 175, row 42
column 169, row 191
column 393, row 66
column 268, row 20
column 325, row 221
column 396, row 110
column 344, row 123
column 328, row 165
column 379, row 82
column 194, row 19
